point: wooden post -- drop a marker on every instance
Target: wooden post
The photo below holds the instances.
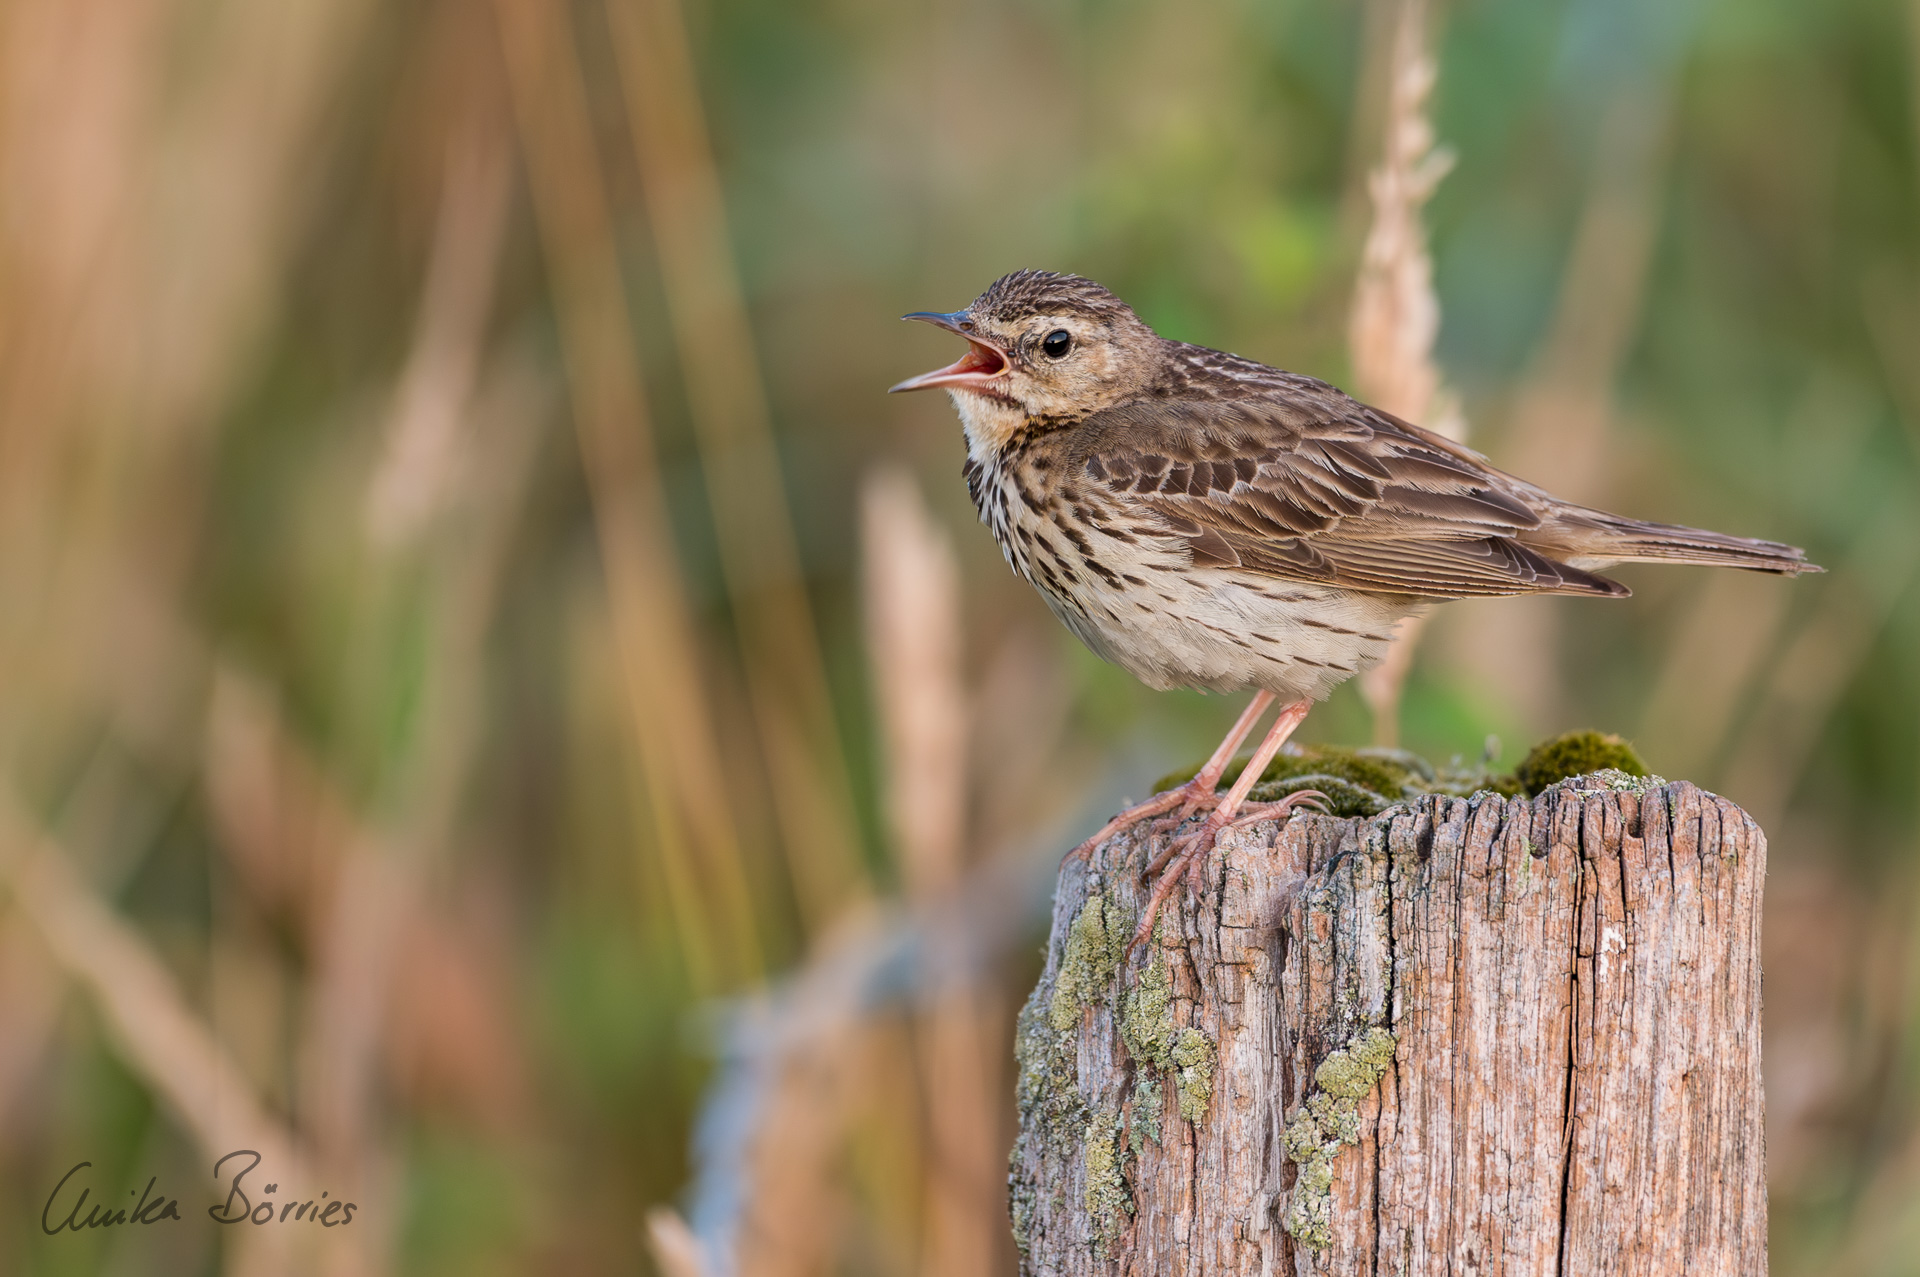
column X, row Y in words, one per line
column 1464, row 1036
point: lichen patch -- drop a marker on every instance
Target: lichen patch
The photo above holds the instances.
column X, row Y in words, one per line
column 1096, row 948
column 1149, row 1112
column 1154, row 1041
column 1146, row 1019
column 1328, row 1122
column 1193, row 1062
column 1109, row 1204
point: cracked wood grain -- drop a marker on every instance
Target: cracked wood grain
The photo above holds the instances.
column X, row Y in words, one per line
column 1464, row 1036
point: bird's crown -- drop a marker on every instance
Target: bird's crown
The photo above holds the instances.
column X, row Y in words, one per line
column 1045, row 292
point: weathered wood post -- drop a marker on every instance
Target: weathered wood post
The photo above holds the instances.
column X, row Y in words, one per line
column 1477, row 1035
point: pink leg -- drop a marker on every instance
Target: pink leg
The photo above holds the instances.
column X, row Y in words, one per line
column 1193, row 795
column 1179, row 859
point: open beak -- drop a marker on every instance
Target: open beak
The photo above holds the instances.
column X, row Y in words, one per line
column 974, row 370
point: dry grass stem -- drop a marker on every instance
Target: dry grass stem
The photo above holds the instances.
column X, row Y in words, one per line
column 1396, row 316
column 687, row 797
column 157, row 1033
column 786, row 675
column 913, row 640
column 913, row 637
column 435, row 387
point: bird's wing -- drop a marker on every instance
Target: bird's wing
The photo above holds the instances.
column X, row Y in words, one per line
column 1304, row 483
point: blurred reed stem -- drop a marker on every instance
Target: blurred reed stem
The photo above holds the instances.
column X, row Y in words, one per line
column 431, row 566
column 148, row 1018
column 914, row 624
column 786, row 675
column 682, row 777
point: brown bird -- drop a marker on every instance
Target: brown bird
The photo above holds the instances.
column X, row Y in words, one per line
column 1206, row 521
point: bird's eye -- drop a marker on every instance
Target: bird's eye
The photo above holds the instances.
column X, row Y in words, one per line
column 1058, row 342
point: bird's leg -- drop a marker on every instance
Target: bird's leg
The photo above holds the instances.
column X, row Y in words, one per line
column 1180, row 860
column 1192, row 796
column 1226, row 808
column 1200, row 792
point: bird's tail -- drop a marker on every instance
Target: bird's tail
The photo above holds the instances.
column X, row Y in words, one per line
column 1607, row 538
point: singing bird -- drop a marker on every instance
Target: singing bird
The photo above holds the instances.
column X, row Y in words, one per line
column 1206, row 521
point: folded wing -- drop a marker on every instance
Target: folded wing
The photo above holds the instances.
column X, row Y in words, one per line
column 1304, row 483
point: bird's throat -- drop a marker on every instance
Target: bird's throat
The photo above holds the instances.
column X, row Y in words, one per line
column 989, row 422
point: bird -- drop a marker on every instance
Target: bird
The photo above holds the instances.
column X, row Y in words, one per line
column 1203, row 520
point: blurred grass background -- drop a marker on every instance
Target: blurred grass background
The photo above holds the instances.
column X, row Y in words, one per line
column 444, row 698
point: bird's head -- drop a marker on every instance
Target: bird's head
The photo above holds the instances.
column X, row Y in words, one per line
column 1042, row 345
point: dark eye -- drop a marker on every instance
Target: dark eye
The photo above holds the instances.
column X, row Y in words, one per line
column 1058, row 342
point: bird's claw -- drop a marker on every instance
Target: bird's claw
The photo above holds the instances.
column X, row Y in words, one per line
column 1182, row 861
column 1311, row 799
column 1183, row 857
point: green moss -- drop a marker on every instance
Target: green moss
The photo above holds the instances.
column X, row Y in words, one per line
column 1107, row 1200
column 1381, row 773
column 1095, row 950
column 1575, row 754
column 1365, row 782
column 1344, row 798
column 1378, row 775
column 1360, row 782
column 1326, row 1123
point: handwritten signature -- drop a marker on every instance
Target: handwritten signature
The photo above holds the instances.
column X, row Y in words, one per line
column 238, row 1208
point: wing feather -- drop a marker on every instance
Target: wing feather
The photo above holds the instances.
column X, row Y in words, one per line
column 1307, row 484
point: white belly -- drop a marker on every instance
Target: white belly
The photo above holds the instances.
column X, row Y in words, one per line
column 1210, row 629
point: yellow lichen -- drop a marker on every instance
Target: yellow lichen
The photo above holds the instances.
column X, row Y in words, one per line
column 1047, row 1089
column 1352, row 1071
column 1193, row 1076
column 1107, row 1199
column 1154, row 1041
column 1095, row 949
column 1146, row 1021
column 1326, row 1123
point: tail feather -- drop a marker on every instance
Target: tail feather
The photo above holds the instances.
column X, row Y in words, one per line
column 1599, row 539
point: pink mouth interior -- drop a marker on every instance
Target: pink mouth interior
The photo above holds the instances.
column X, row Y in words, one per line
column 981, row 361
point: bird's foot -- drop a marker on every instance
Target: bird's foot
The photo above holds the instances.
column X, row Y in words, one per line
column 1182, row 859
column 1191, row 797
column 1198, row 798
column 1178, row 863
column 1311, row 799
